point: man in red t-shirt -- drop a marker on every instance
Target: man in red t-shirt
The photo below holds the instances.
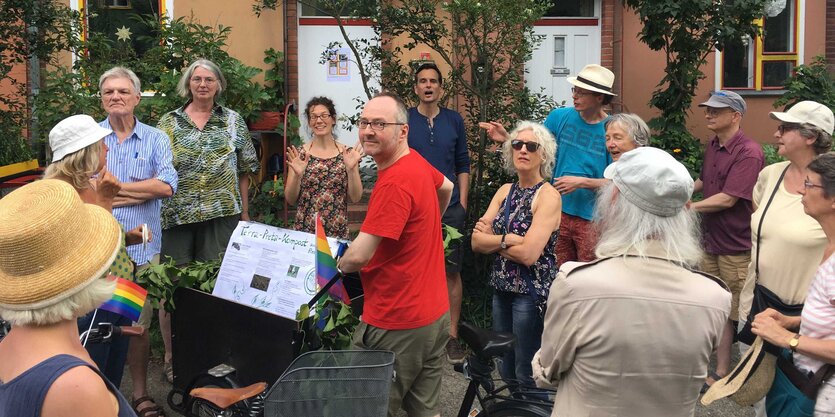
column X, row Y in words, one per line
column 399, row 252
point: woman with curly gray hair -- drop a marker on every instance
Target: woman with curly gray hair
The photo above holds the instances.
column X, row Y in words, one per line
column 520, row 227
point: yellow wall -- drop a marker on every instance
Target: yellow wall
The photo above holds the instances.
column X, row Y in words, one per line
column 250, row 35
column 641, row 69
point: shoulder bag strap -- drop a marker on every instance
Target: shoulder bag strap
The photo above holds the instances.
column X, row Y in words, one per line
column 760, row 225
column 507, row 207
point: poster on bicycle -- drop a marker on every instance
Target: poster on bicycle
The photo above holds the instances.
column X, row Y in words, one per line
column 269, row 268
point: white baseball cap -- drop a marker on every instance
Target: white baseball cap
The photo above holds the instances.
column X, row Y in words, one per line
column 652, row 179
column 74, row 134
column 809, row 112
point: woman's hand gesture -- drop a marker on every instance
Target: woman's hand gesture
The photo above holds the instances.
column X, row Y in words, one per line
column 495, row 131
column 296, row 160
column 352, row 157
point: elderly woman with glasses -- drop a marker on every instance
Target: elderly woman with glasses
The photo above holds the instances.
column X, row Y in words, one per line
column 324, row 174
column 810, row 336
column 213, row 157
column 520, row 227
column 788, row 244
column 625, row 132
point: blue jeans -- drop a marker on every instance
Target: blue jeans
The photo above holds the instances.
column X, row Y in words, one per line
column 109, row 357
column 517, row 314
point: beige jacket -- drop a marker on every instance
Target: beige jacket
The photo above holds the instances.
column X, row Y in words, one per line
column 629, row 337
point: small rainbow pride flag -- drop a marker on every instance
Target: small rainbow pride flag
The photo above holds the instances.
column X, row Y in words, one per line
column 326, row 265
column 127, row 300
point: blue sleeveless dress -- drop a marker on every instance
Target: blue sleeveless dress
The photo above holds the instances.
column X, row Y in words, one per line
column 24, row 395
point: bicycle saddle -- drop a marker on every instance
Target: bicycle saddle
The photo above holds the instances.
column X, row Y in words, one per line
column 225, row 397
column 486, row 343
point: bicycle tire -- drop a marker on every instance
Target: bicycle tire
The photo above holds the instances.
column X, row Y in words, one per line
column 513, row 409
column 198, row 407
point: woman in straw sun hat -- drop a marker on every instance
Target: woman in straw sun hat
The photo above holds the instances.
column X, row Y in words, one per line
column 54, row 254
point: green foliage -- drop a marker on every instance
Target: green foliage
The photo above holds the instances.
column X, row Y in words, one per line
column 274, row 77
column 813, row 82
column 28, row 28
column 687, row 32
column 266, row 204
column 163, row 279
column 331, row 326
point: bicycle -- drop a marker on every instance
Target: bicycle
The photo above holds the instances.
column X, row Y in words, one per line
column 510, row 399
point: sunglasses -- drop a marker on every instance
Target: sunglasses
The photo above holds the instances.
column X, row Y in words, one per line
column 517, row 144
column 787, row 127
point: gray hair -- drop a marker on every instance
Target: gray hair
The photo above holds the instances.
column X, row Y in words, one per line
column 824, row 165
column 402, row 114
column 183, row 87
column 547, row 147
column 121, row 72
column 823, row 140
column 634, row 126
column 623, row 226
column 88, row 299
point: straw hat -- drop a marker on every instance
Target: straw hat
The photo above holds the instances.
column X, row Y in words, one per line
column 52, row 245
column 750, row 380
column 595, row 78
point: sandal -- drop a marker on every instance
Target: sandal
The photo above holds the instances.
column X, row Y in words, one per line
column 152, row 410
column 168, row 372
column 712, row 375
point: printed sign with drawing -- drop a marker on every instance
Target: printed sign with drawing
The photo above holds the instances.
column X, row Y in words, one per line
column 269, row 268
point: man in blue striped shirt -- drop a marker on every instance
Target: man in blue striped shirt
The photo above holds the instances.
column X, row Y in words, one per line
column 140, row 157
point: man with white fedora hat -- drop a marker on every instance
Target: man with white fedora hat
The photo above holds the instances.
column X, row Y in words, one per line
column 581, row 157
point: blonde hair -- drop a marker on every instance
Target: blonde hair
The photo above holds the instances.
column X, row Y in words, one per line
column 78, row 166
column 89, row 298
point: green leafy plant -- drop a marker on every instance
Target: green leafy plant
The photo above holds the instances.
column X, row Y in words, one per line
column 274, row 80
column 161, row 280
column 812, row 81
column 266, row 203
column 331, row 326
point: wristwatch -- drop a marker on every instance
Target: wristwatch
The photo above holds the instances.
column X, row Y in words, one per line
column 793, row 342
column 503, row 245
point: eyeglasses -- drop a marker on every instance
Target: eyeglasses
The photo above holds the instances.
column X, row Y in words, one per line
column 713, row 112
column 809, row 184
column 787, row 127
column 579, row 92
column 531, row 146
column 201, row 80
column 376, row 125
column 323, row 116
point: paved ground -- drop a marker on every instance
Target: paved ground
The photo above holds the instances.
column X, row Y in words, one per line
column 452, row 393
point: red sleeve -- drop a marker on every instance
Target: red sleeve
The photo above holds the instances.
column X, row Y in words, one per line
column 388, row 211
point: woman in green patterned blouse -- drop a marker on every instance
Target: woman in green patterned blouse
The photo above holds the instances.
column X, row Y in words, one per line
column 213, row 156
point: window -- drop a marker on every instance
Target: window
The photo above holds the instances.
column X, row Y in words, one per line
column 764, row 62
column 319, row 8
column 118, row 21
column 571, row 8
column 115, row 4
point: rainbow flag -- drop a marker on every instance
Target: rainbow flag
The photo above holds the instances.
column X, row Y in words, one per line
column 127, row 300
column 326, row 265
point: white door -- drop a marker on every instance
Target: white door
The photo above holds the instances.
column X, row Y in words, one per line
column 570, row 34
column 564, row 51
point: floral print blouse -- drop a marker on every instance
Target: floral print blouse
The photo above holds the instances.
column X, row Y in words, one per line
column 208, row 163
column 510, row 276
column 324, row 188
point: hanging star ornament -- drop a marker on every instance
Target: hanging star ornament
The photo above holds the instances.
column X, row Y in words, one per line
column 123, row 34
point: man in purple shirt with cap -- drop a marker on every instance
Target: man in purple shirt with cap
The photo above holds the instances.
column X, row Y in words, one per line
column 731, row 165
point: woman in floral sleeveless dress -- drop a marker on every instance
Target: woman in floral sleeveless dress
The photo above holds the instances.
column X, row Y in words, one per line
column 324, row 174
column 521, row 226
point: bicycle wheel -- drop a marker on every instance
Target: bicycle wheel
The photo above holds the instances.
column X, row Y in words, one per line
column 514, row 409
column 198, row 407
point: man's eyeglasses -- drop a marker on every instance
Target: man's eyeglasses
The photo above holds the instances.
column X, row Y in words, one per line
column 518, row 144
column 323, row 116
column 376, row 125
column 201, row 80
column 787, row 127
column 579, row 92
column 713, row 112
column 809, row 184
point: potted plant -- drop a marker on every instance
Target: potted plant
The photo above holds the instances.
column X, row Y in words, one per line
column 272, row 108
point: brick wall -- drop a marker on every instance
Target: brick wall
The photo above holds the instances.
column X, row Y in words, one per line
column 292, row 53
column 830, row 33
column 607, row 32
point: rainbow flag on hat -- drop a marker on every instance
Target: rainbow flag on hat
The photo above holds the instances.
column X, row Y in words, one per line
column 128, row 299
column 326, row 265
